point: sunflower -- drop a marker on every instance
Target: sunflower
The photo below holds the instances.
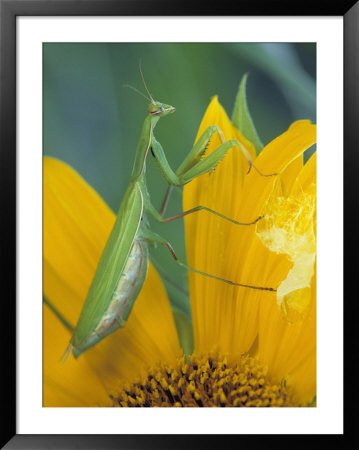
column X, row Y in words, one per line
column 251, row 347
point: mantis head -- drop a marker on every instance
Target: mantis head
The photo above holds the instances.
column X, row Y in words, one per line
column 160, row 109
column 155, row 108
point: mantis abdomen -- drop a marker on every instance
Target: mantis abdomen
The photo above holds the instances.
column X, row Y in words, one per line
column 128, row 287
column 129, row 284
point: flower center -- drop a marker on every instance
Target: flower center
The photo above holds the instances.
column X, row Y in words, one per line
column 205, row 381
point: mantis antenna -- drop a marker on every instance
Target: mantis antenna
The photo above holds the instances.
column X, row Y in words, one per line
column 149, row 98
column 144, row 83
column 138, row 92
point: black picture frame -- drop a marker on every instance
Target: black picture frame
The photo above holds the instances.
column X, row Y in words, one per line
column 9, row 11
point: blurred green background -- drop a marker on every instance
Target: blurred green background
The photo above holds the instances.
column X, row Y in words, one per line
column 93, row 123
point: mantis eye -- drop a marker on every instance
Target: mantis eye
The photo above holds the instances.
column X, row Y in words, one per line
column 157, row 112
column 155, row 109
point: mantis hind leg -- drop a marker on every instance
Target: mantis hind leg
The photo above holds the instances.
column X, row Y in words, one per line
column 150, row 236
column 204, row 208
column 158, row 216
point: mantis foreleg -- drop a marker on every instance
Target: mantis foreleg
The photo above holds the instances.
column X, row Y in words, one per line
column 194, row 164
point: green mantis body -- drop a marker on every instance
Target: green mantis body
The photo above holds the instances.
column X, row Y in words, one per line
column 122, row 268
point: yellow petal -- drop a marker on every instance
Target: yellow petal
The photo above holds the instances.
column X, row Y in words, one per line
column 306, row 177
column 276, row 157
column 250, row 261
column 73, row 383
column 76, row 225
column 280, row 152
column 227, row 316
column 288, row 228
column 207, row 238
column 290, row 353
column 289, row 349
column 289, row 175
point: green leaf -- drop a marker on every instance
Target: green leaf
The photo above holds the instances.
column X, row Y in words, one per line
column 185, row 331
column 242, row 119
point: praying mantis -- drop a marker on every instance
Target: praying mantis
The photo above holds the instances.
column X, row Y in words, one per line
column 122, row 268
